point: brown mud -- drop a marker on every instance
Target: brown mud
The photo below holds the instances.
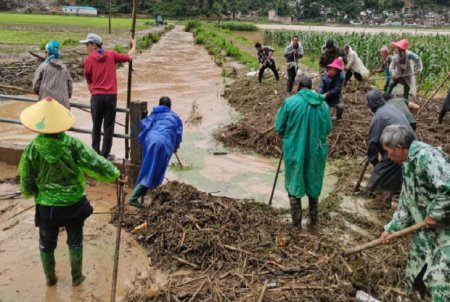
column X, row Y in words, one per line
column 222, row 249
column 21, row 273
column 259, row 103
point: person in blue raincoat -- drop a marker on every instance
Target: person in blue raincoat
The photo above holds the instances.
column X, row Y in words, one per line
column 160, row 137
column 304, row 121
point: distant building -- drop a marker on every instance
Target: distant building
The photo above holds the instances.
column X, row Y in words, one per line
column 273, row 16
column 80, row 10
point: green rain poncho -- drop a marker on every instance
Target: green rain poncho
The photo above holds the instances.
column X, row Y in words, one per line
column 426, row 192
column 304, row 121
column 52, row 169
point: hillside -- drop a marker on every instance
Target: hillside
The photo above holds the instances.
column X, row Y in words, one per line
column 302, row 9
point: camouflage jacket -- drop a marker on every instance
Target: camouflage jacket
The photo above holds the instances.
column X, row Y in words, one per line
column 426, row 192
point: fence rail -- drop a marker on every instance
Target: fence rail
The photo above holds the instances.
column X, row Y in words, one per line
column 73, row 129
column 7, row 97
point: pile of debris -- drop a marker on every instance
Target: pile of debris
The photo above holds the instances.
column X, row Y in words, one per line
column 16, row 76
column 238, row 250
column 259, row 103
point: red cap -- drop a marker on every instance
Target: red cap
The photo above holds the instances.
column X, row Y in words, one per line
column 337, row 63
column 403, row 44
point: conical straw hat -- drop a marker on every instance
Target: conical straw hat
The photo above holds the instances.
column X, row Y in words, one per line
column 47, row 116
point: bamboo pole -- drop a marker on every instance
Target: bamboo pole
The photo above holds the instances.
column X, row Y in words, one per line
column 130, row 70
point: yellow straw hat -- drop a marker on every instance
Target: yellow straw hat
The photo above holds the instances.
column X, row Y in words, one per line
column 47, row 116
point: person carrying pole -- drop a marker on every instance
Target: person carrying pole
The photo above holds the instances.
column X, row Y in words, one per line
column 386, row 59
column 52, row 170
column 292, row 53
column 331, row 86
column 52, row 78
column 160, row 136
column 425, row 197
column 100, row 74
column 405, row 65
column 445, row 106
column 386, row 177
column 304, row 122
column 265, row 58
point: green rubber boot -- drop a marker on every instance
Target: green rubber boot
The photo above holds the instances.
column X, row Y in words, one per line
column 139, row 191
column 76, row 265
column 48, row 262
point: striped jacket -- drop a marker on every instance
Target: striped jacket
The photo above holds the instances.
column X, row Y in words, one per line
column 53, row 79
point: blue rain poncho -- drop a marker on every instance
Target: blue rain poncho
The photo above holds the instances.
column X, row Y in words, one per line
column 160, row 136
column 304, row 121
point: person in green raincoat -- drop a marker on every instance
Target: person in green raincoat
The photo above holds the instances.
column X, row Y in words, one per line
column 52, row 170
column 304, row 121
column 425, row 196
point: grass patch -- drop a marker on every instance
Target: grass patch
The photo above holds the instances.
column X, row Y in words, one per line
column 237, row 26
column 68, row 21
column 36, row 37
column 219, row 44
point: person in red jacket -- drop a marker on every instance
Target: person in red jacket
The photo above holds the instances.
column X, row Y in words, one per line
column 101, row 78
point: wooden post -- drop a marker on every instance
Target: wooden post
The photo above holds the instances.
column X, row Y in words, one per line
column 138, row 111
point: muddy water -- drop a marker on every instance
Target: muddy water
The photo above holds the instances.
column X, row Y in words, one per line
column 21, row 275
column 185, row 72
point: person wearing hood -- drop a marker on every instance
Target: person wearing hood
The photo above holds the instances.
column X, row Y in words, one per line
column 405, row 65
column 292, row 53
column 331, row 86
column 354, row 65
column 160, row 137
column 386, row 177
column 52, row 78
column 304, row 122
column 330, row 53
column 445, row 106
column 52, row 169
column 425, row 197
column 101, row 78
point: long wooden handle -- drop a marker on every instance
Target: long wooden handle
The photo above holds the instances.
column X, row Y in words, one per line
column 378, row 241
column 361, row 176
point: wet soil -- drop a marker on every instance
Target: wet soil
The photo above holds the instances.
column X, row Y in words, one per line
column 21, row 274
column 259, row 103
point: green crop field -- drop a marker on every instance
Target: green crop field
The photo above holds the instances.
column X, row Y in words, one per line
column 68, row 21
column 28, row 29
column 431, row 48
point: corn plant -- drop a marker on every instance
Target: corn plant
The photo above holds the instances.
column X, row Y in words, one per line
column 433, row 49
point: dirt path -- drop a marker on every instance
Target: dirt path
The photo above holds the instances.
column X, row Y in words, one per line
column 21, row 274
column 343, row 29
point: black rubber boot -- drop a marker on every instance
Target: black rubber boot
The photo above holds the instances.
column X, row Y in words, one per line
column 339, row 113
column 48, row 262
column 441, row 116
column 296, row 211
column 313, row 211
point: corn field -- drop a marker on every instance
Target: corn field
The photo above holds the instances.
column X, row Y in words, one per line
column 434, row 50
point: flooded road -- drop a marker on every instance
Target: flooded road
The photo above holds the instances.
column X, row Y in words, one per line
column 186, row 73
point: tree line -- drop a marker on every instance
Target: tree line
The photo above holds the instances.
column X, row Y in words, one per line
column 303, row 9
